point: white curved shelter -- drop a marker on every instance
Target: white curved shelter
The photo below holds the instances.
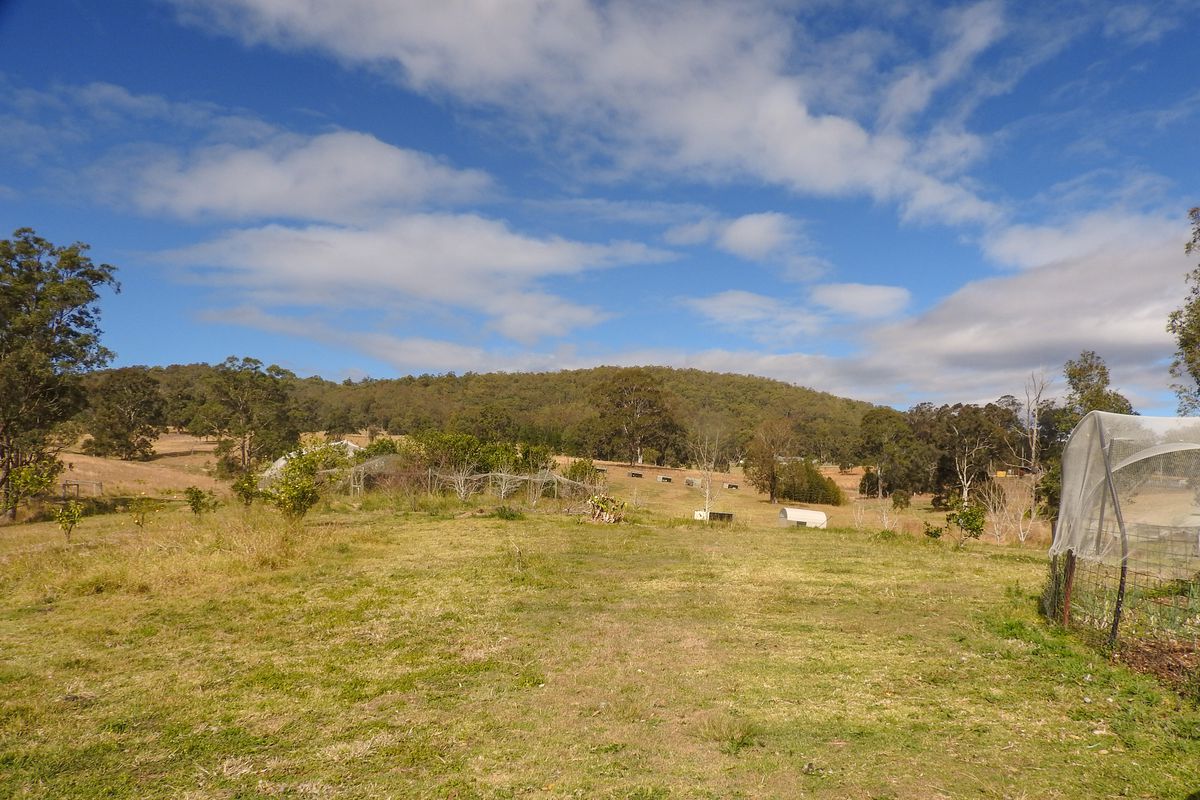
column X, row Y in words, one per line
column 803, row 518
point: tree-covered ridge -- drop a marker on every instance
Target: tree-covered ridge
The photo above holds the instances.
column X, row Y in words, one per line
column 563, row 410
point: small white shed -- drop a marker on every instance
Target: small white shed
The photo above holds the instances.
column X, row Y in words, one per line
column 802, row 518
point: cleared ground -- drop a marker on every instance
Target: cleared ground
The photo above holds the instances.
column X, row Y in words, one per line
column 425, row 654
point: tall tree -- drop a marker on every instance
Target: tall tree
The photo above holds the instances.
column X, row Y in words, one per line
column 127, row 414
column 49, row 336
column 635, row 409
column 773, row 440
column 1089, row 390
column 1184, row 325
column 248, row 409
column 977, row 438
column 889, row 446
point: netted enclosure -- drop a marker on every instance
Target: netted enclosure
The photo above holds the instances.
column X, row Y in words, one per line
column 1125, row 562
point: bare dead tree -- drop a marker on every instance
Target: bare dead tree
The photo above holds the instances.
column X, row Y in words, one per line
column 707, row 446
column 886, row 519
column 463, row 481
column 996, row 503
column 537, row 484
column 860, row 515
column 1023, row 507
column 1037, row 385
column 504, row 483
column 966, row 458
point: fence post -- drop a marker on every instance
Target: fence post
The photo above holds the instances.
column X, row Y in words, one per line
column 1112, row 634
column 1068, row 584
column 1112, row 488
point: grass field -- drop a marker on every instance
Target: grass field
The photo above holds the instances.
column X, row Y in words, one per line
column 382, row 654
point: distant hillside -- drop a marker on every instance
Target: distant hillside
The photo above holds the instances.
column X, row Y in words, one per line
column 554, row 408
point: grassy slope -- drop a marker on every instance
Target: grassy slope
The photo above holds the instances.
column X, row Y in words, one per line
column 378, row 655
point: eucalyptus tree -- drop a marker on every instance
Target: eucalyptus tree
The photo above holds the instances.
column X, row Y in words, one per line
column 1184, row 325
column 49, row 337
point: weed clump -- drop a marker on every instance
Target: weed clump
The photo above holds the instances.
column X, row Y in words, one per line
column 505, row 512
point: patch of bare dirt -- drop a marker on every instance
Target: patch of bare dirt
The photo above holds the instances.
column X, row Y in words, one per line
column 1174, row 661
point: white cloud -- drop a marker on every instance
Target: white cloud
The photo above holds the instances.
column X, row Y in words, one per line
column 769, row 320
column 753, row 237
column 339, row 176
column 709, row 90
column 235, row 167
column 970, row 31
column 1139, row 23
column 758, row 236
column 1112, row 297
column 984, row 339
column 861, row 301
column 766, row 237
column 1098, row 232
column 454, row 261
column 406, row 353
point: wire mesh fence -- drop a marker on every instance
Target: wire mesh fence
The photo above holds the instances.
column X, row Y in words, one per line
column 1148, row 618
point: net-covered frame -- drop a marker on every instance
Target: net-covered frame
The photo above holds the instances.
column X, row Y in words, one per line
column 1131, row 494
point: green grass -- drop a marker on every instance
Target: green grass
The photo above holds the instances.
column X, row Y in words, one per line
column 382, row 654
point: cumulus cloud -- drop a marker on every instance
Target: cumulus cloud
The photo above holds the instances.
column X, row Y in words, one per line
column 708, row 89
column 235, row 167
column 338, row 176
column 459, row 261
column 767, row 237
column 1112, row 296
column 1098, row 232
column 757, row 236
column 1109, row 293
column 861, row 301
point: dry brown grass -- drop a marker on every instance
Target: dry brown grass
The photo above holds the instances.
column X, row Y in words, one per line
column 179, row 461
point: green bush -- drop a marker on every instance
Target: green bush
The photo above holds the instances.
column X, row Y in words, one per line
column 297, row 487
column 294, row 493
column 68, row 516
column 901, row 499
column 582, row 470
column 200, row 501
column 606, row 509
column 142, row 508
column 246, row 488
column 505, row 512
column 969, row 518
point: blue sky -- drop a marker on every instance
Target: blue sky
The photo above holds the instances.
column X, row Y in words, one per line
column 896, row 202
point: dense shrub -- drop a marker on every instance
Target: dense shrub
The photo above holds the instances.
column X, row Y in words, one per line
column 803, row 482
column 582, row 470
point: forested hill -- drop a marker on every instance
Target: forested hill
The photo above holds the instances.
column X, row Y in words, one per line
column 554, row 408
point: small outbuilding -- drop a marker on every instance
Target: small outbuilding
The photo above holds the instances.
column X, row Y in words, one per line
column 713, row 516
column 803, row 518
